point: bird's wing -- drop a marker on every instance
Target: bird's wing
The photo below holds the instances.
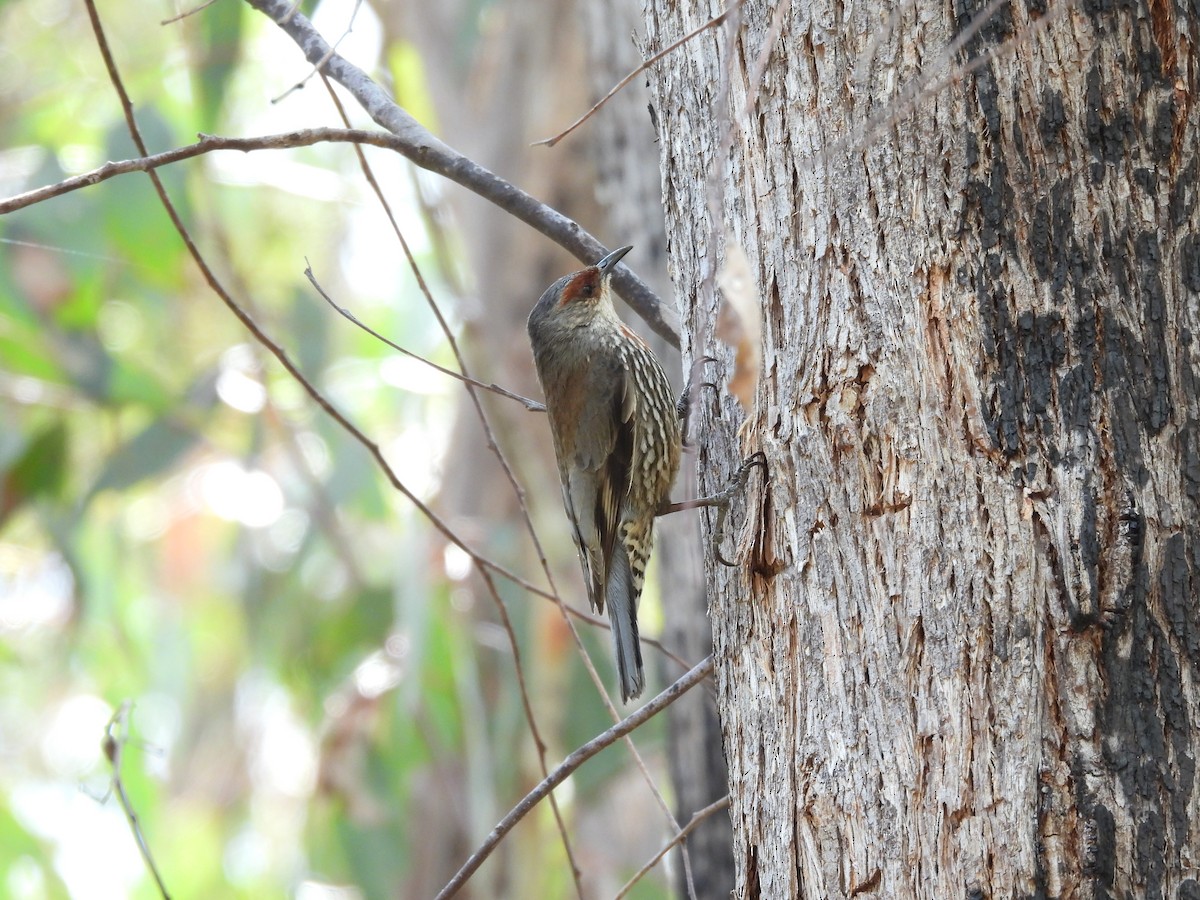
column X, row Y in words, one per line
column 598, row 479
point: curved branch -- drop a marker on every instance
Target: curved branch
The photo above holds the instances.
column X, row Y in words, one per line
column 420, row 147
column 577, row 758
column 206, row 144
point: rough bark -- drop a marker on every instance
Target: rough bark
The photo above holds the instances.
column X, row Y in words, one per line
column 961, row 656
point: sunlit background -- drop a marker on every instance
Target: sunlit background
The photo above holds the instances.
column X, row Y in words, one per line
column 323, row 697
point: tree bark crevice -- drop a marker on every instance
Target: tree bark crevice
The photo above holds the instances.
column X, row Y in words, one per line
column 978, row 402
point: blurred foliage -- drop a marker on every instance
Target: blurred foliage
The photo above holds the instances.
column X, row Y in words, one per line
column 318, row 700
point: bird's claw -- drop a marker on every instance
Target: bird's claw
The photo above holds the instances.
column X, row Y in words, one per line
column 721, row 501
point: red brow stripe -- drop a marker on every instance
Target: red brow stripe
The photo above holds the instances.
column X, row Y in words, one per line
column 574, row 287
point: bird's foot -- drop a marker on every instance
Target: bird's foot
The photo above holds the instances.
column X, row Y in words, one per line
column 721, row 501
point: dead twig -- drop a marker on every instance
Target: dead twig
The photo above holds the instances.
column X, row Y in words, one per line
column 114, row 750
column 190, row 12
column 697, row 817
column 577, row 758
column 531, row 405
column 426, row 151
column 551, row 141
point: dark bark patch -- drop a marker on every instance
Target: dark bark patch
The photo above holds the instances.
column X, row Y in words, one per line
column 1179, row 585
column 1156, row 354
column 1108, row 135
column 1053, row 247
column 1002, row 411
column 1099, row 842
column 1099, row 9
column 1053, row 119
column 1150, row 845
column 751, row 874
column 1189, row 263
column 1078, row 385
column 1041, row 351
column 1089, row 554
column 1146, row 722
column 995, row 29
column 1162, row 133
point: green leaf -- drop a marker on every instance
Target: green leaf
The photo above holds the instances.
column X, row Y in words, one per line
column 150, row 453
column 128, row 383
column 25, row 356
column 221, row 29
column 41, row 467
column 38, row 472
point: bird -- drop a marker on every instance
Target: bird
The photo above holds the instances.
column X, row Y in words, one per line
column 616, row 439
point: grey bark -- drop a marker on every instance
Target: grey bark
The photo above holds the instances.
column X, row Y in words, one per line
column 961, row 655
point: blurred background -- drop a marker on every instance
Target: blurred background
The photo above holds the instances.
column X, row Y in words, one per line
column 324, row 696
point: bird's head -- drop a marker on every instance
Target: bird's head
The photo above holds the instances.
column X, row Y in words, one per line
column 576, row 299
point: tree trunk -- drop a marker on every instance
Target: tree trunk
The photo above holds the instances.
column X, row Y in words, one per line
column 960, row 654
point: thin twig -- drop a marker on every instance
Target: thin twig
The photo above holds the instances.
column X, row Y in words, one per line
column 263, row 338
column 697, row 817
column 299, row 85
column 426, row 151
column 531, row 405
column 577, row 758
column 551, row 141
column 114, row 750
column 186, row 13
column 494, row 448
column 539, row 744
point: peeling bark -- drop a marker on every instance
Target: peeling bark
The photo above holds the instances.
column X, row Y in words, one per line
column 962, row 656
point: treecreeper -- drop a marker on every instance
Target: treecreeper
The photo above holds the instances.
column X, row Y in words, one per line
column 617, row 440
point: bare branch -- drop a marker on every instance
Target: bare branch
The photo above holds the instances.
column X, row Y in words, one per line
column 551, row 141
column 697, row 817
column 114, row 750
column 189, row 12
column 423, row 149
column 494, row 447
column 206, row 144
column 263, row 338
column 577, row 758
column 531, row 405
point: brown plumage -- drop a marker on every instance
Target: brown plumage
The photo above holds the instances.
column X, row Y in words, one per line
column 617, row 440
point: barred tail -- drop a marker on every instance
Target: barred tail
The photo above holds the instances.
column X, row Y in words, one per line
column 622, row 614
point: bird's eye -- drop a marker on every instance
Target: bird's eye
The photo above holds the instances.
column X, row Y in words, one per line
column 587, row 290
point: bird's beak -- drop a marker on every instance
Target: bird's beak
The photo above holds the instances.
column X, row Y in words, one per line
column 609, row 262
